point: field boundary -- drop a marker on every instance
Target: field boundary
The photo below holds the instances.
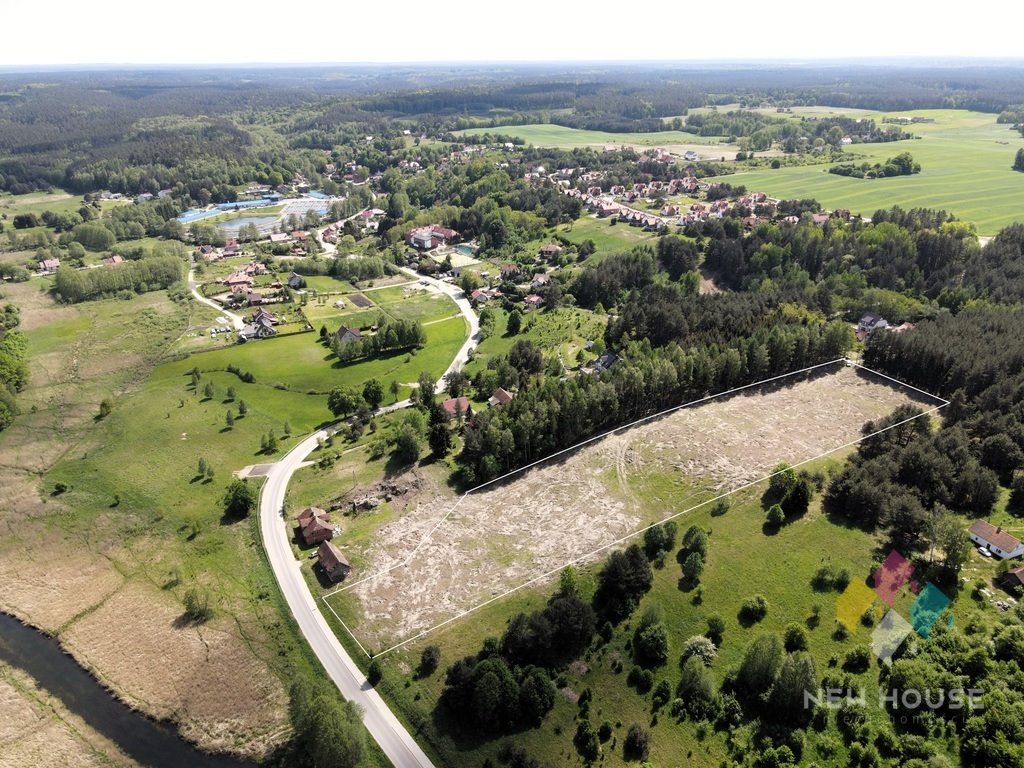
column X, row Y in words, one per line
column 942, row 403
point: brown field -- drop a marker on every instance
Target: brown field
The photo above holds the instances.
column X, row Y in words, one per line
column 37, row 730
column 205, row 678
column 562, row 510
column 94, row 587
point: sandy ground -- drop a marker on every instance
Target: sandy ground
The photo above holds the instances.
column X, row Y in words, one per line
column 500, row 538
column 37, row 730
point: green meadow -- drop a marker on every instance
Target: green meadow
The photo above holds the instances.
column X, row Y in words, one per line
column 547, row 135
column 301, row 363
column 965, row 162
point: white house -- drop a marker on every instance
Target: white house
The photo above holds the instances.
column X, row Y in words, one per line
column 995, row 540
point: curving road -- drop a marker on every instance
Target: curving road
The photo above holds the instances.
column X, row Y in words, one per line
column 384, row 727
column 236, row 320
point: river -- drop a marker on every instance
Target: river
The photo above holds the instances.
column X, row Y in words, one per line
column 146, row 741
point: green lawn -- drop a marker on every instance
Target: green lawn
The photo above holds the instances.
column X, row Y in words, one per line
column 327, row 284
column 420, row 306
column 965, row 162
column 608, row 237
column 300, row 363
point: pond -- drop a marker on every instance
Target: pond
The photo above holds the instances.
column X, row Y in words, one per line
column 263, row 223
column 144, row 740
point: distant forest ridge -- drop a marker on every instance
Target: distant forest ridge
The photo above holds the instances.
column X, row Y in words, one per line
column 138, row 131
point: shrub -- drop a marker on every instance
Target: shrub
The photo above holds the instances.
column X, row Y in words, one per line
column 701, row 647
column 429, row 659
column 754, row 609
column 776, row 517
column 637, row 744
column 795, row 638
column 857, row 660
column 716, row 628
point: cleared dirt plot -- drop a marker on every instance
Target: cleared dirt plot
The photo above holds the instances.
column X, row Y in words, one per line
column 500, row 538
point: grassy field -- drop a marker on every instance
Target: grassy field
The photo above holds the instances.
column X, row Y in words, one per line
column 104, row 564
column 562, row 333
column 965, row 162
column 39, row 202
column 547, row 135
column 609, row 238
column 300, row 363
column 395, row 302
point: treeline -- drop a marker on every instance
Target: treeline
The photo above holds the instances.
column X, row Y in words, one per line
column 13, row 363
column 390, row 335
column 549, row 414
column 901, row 165
column 352, row 269
column 75, row 285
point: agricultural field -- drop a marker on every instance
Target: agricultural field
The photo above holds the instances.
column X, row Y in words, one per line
column 405, row 302
column 547, row 135
column 558, row 512
column 965, row 162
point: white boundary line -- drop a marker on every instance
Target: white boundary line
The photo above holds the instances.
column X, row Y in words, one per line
column 620, row 540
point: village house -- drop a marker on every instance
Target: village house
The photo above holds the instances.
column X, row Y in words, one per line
column 995, row 540
column 500, row 398
column 110, row 261
column 333, row 562
column 49, row 265
column 550, row 250
column 429, row 237
column 820, row 218
column 254, row 299
column 314, row 526
column 296, row 281
column 344, row 335
column 259, row 328
column 280, row 237
column 510, row 271
column 533, row 301
column 483, row 295
column 870, row 323
column 540, row 279
column 457, row 407
column 261, row 315
column 1013, row 578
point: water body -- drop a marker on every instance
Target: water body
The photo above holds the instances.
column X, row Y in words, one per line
column 263, row 223
column 145, row 741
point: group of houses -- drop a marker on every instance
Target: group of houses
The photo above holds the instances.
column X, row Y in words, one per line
column 314, row 528
column 210, row 253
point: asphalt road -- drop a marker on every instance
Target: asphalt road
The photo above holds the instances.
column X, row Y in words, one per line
column 384, row 727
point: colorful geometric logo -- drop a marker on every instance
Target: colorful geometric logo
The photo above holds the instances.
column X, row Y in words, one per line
column 889, row 579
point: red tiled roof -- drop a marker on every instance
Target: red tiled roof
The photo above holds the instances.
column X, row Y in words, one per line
column 455, row 405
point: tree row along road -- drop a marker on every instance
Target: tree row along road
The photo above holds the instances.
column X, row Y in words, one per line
column 396, row 742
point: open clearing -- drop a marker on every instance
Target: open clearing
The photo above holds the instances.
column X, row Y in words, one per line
column 565, row 509
column 677, row 142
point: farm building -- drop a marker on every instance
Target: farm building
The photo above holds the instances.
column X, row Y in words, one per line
column 995, row 540
column 344, row 335
column 314, row 525
column 335, row 564
column 1013, row 578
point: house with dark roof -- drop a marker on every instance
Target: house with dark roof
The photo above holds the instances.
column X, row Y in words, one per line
column 259, row 328
column 335, row 564
column 1013, row 578
column 457, row 407
column 995, row 539
column 344, row 335
column 870, row 323
column 500, row 398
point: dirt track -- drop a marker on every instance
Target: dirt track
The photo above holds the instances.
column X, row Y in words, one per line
column 499, row 538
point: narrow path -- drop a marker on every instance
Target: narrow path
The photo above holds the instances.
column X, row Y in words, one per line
column 236, row 320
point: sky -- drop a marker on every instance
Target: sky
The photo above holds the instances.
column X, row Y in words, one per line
column 68, row 32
